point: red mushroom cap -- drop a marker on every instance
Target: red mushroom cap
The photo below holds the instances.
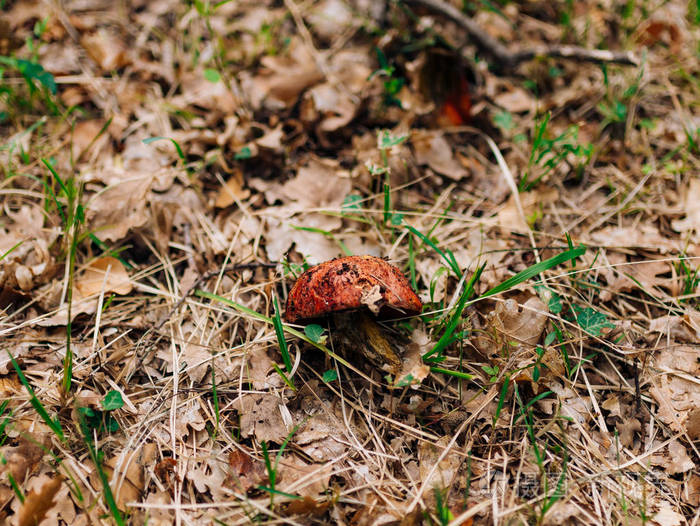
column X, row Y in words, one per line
column 351, row 283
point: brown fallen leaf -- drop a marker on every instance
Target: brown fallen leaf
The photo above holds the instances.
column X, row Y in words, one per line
column 444, row 473
column 510, row 322
column 413, row 369
column 119, row 208
column 509, row 217
column 129, row 477
column 432, row 148
column 261, row 417
column 105, row 273
column 284, row 78
column 107, row 49
column 166, row 471
column 691, row 223
column 232, row 191
column 307, row 506
column 245, row 472
column 38, row 503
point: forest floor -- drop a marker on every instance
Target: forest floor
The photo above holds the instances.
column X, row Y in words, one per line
column 169, row 168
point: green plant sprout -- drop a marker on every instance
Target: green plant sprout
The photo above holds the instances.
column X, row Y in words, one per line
column 547, row 153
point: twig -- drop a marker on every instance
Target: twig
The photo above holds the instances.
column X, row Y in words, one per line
column 201, row 279
column 510, row 59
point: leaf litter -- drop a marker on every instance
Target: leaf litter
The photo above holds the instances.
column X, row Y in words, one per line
column 268, row 137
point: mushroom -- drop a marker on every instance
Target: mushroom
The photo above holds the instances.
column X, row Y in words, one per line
column 347, row 289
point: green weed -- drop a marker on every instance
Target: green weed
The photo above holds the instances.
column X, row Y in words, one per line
column 73, row 216
column 549, row 152
column 97, row 458
column 272, row 469
column 284, row 350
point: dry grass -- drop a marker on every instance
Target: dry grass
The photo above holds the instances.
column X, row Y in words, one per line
column 569, row 398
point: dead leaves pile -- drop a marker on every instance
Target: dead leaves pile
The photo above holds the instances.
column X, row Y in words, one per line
column 263, row 135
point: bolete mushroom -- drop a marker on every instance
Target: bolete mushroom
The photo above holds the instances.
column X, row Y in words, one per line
column 346, row 289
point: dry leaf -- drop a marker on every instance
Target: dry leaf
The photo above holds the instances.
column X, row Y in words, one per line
column 245, row 472
column 691, row 223
column 516, row 100
column 284, row 78
column 413, row 369
column 38, row 502
column 106, row 49
column 319, row 438
column 261, row 417
column 561, row 513
column 129, row 477
column 510, row 323
column 667, row 516
column 676, row 394
column 444, row 473
column 330, row 18
column 308, row 506
column 432, row 148
column 208, row 474
column 105, row 274
column 678, row 459
column 678, row 328
column 259, row 367
column 637, row 236
column 300, row 477
column 532, row 202
column 119, row 208
column 232, row 191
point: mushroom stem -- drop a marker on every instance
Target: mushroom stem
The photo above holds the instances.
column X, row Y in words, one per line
column 361, row 334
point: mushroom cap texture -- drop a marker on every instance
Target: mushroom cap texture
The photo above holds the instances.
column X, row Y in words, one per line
column 344, row 284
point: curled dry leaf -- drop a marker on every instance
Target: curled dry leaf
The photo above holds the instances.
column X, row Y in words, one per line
column 691, row 222
column 432, row 148
column 284, row 78
column 684, row 328
column 209, row 473
column 318, row 184
column 516, row 100
column 106, row 49
column 510, row 322
column 676, row 394
column 245, row 472
column 19, row 461
column 38, row 502
column 105, row 274
column 129, row 476
column 232, row 191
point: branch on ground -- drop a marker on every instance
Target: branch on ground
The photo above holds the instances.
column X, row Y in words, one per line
column 510, row 59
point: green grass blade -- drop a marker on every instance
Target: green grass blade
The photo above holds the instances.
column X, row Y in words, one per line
column 54, row 425
column 446, row 337
column 387, row 203
column 501, row 398
column 279, row 330
column 534, row 270
column 56, row 176
column 278, row 492
column 11, row 250
column 180, row 153
column 449, row 372
column 451, row 262
column 96, row 457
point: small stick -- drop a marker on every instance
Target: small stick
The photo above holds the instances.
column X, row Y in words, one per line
column 510, row 59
